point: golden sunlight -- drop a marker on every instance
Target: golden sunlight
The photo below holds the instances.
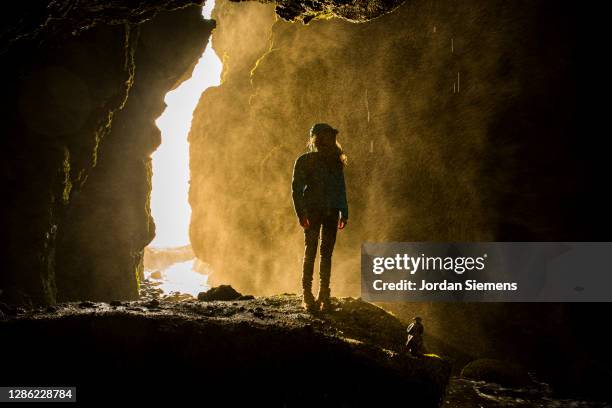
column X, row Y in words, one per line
column 169, row 198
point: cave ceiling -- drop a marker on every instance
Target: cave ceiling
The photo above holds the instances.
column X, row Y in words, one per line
column 42, row 20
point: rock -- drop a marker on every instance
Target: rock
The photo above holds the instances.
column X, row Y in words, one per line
column 267, row 361
column 223, row 292
column 497, row 371
column 154, row 303
column 10, row 310
column 356, row 10
column 115, row 303
column 259, row 313
column 156, row 275
column 86, row 304
column 246, row 297
column 178, row 297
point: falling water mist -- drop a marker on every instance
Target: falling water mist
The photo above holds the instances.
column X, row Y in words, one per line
column 169, row 261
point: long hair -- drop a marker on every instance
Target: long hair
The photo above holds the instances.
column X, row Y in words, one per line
column 327, row 144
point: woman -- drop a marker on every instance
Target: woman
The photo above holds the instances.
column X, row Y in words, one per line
column 319, row 199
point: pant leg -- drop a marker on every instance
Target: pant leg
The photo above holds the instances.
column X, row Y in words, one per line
column 328, row 240
column 311, row 240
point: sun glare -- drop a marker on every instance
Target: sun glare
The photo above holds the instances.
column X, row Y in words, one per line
column 169, row 198
column 208, row 8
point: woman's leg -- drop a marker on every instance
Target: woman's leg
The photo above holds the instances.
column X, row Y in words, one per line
column 311, row 240
column 328, row 240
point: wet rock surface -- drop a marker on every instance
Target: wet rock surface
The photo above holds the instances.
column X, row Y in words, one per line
column 356, row 11
column 497, row 371
column 465, row 393
column 267, row 345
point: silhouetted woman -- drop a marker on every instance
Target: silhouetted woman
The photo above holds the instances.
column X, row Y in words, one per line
column 319, row 198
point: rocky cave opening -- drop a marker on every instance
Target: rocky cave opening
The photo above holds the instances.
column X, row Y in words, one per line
column 169, row 262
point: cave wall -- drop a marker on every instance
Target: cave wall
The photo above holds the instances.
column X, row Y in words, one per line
column 355, row 10
column 102, row 242
column 57, row 109
column 76, row 207
column 221, row 193
column 456, row 117
column 85, row 80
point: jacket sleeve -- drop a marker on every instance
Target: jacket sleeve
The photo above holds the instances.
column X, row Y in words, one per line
column 344, row 208
column 298, row 185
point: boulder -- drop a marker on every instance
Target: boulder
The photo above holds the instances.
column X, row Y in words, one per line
column 497, row 371
column 223, row 292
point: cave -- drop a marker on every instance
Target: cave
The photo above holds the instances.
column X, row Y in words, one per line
column 463, row 122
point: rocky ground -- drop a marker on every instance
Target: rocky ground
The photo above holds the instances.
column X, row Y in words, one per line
column 261, row 349
column 243, row 350
column 466, row 393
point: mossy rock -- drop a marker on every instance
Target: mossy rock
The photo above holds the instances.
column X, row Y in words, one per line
column 497, row 371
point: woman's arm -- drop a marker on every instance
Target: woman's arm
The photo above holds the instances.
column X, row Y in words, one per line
column 344, row 207
column 298, row 185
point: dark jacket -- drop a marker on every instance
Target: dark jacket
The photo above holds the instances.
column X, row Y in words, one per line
column 318, row 182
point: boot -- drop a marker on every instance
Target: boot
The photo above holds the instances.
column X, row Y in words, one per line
column 324, row 300
column 326, row 305
column 324, row 292
column 309, row 302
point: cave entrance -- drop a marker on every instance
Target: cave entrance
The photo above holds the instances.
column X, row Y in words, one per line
column 169, row 261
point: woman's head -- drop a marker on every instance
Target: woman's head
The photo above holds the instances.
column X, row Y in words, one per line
column 323, row 139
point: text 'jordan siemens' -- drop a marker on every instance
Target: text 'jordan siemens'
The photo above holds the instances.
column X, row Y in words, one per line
column 458, row 265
